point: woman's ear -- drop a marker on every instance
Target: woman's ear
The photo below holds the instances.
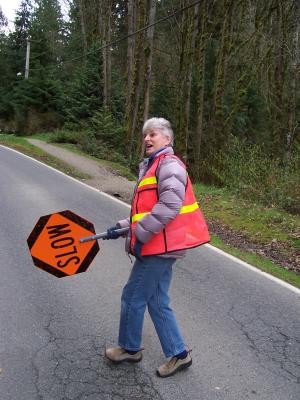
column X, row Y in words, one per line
column 168, row 140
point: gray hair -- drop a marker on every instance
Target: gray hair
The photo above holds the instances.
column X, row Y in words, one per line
column 159, row 123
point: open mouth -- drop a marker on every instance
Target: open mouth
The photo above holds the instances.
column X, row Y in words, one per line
column 149, row 146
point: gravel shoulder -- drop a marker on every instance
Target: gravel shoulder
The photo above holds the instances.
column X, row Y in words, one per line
column 102, row 178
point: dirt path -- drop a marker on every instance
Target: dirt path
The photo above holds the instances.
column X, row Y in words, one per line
column 103, row 178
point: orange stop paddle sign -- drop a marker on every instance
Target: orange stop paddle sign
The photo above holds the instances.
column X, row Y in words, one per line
column 55, row 247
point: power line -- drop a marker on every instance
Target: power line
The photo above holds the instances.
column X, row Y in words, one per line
column 138, row 31
column 180, row 10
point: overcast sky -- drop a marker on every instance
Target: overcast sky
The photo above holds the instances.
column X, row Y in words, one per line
column 9, row 7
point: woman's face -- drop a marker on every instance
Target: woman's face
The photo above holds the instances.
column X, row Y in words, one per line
column 154, row 140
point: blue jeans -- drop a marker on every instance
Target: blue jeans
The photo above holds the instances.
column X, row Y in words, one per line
column 148, row 285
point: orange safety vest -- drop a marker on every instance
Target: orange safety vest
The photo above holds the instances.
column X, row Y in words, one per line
column 187, row 230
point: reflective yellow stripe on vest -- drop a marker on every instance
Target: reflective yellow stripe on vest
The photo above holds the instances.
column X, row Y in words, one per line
column 137, row 217
column 188, row 209
column 184, row 210
column 148, row 181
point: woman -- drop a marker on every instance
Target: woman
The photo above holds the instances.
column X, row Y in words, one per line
column 165, row 220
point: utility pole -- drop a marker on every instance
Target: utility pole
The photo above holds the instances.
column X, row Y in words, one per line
column 27, row 59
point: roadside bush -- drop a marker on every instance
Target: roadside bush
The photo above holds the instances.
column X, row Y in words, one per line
column 42, row 121
column 65, row 136
column 104, row 137
column 101, row 136
column 250, row 172
column 32, row 121
column 106, row 128
column 96, row 147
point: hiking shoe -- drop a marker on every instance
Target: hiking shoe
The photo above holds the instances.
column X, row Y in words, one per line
column 174, row 365
column 118, row 355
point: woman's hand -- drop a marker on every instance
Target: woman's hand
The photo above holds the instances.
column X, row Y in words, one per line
column 111, row 233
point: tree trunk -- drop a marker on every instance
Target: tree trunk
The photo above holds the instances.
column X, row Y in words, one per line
column 194, row 26
column 279, row 77
column 201, row 41
column 130, row 47
column 83, row 28
column 183, row 76
column 134, row 103
column 293, row 125
column 148, row 57
column 105, row 8
column 218, row 133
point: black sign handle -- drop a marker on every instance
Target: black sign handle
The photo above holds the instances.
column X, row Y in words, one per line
column 102, row 235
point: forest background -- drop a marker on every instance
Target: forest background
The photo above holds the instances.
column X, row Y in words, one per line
column 224, row 72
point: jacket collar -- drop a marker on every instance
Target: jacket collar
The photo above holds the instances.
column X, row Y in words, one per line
column 164, row 150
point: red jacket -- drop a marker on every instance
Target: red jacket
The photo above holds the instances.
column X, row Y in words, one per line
column 187, row 230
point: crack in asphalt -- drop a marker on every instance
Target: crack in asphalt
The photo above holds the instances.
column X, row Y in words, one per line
column 34, row 365
column 75, row 369
column 271, row 345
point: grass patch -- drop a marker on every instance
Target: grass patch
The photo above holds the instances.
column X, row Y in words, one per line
column 259, row 262
column 22, row 145
column 45, row 136
column 258, row 223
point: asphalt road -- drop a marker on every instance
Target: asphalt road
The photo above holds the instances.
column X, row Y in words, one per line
column 244, row 329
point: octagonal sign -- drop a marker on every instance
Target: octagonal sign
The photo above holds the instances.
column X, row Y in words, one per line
column 54, row 244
